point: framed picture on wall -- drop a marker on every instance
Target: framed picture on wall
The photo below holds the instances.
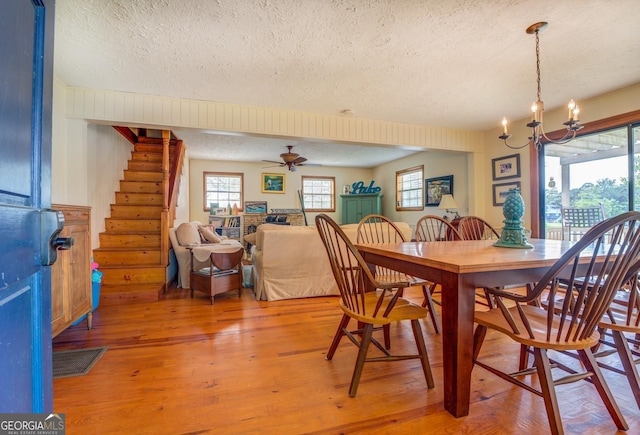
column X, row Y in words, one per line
column 500, row 191
column 436, row 187
column 255, row 207
column 506, row 167
column 272, row 183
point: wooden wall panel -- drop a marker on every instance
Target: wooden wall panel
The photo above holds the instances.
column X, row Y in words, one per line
column 155, row 111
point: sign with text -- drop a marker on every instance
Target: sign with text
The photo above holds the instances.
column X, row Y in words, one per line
column 32, row 424
column 358, row 188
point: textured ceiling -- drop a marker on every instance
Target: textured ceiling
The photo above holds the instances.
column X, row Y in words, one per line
column 445, row 63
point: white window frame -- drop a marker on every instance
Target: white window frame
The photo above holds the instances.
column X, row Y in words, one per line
column 410, row 189
column 324, row 187
column 231, row 196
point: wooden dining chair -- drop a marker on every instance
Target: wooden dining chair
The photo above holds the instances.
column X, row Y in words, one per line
column 431, row 228
column 371, row 309
column 620, row 332
column 476, row 228
column 375, row 228
column 603, row 258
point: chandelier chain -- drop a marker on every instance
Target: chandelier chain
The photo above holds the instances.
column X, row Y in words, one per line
column 538, row 63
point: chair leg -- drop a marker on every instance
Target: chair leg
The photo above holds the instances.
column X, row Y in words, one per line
column 487, row 295
column 628, row 363
column 548, row 391
column 344, row 322
column 602, row 331
column 428, row 303
column 362, row 356
column 524, row 357
column 386, row 332
column 589, row 361
column 422, row 351
column 478, row 339
column 431, row 289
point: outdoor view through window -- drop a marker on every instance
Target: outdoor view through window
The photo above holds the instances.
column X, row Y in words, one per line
column 591, row 172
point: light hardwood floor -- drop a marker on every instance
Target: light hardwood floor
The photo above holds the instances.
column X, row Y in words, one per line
column 241, row 366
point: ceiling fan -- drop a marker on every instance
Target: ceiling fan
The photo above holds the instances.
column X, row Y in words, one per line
column 291, row 160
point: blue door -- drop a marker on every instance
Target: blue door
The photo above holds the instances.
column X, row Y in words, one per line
column 26, row 73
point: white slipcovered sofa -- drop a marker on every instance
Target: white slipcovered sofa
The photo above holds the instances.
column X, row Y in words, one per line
column 291, row 262
column 195, row 236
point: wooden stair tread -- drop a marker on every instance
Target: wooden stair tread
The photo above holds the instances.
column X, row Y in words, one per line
column 108, row 267
column 140, row 287
column 135, row 218
column 129, row 266
column 125, row 249
column 154, row 140
column 135, row 205
column 131, row 233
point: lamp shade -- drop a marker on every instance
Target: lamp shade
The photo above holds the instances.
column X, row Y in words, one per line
column 447, row 203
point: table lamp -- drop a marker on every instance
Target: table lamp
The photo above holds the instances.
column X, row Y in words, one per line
column 448, row 204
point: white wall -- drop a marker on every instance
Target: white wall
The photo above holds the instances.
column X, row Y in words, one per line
column 252, row 184
column 604, row 106
column 87, row 164
column 436, row 164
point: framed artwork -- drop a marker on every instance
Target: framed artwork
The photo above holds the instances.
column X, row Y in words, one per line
column 500, row 191
column 255, row 207
column 436, row 187
column 506, row 167
column 272, row 183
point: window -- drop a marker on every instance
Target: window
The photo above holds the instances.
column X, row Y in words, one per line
column 597, row 170
column 318, row 193
column 224, row 189
column 409, row 189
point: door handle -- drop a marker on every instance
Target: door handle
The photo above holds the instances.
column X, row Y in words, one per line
column 51, row 224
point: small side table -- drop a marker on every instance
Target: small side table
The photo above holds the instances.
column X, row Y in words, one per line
column 223, row 274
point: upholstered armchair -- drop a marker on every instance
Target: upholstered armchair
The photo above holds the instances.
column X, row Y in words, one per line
column 194, row 235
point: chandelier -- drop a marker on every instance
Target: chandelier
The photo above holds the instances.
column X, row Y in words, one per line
column 537, row 108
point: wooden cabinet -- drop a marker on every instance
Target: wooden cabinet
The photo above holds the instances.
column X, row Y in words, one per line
column 71, row 273
column 355, row 207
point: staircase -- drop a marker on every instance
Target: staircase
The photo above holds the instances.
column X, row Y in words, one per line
column 130, row 248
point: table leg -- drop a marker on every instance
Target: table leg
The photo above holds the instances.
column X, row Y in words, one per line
column 458, row 302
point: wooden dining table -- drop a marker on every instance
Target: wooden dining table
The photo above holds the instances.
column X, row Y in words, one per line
column 461, row 267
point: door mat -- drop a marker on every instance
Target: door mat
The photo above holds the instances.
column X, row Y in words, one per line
column 75, row 362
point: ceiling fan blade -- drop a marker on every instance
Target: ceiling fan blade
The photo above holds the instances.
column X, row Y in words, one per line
column 271, row 161
column 299, row 160
column 309, row 164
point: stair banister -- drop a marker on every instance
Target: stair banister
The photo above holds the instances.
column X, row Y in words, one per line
column 164, row 220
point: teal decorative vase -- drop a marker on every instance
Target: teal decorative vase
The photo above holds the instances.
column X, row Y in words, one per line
column 513, row 235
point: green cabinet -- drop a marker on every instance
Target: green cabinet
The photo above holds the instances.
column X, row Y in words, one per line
column 355, row 207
